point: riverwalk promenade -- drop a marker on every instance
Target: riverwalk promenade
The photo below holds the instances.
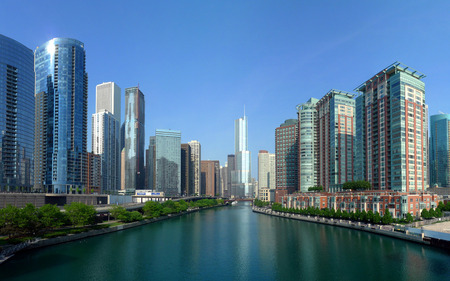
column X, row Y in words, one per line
column 386, row 230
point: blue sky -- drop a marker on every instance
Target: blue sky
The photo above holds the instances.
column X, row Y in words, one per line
column 199, row 62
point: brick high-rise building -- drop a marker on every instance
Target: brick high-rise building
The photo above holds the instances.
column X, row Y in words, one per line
column 392, row 130
column 210, row 179
column 335, row 132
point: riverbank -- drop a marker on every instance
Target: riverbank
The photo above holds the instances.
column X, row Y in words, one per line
column 45, row 242
column 386, row 230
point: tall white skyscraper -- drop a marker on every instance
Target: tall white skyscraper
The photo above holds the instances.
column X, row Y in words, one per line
column 106, row 133
column 195, row 167
column 241, row 176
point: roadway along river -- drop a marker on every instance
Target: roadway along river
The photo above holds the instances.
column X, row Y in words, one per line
column 232, row 243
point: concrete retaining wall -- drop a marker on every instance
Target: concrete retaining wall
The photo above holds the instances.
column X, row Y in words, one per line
column 376, row 229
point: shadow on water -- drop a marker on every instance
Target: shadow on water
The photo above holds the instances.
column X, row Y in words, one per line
column 16, row 269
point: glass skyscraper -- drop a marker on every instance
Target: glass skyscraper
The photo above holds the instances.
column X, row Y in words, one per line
column 61, row 116
column 308, row 145
column 440, row 150
column 16, row 115
column 168, row 162
column 106, row 134
column 241, row 176
column 134, row 139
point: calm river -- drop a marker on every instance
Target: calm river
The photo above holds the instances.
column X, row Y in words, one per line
column 232, row 243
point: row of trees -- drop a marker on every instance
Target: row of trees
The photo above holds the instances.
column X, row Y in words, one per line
column 315, row 188
column 32, row 221
column 356, row 185
column 260, row 203
column 367, row 217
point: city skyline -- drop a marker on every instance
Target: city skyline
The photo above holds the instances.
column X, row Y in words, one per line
column 263, row 55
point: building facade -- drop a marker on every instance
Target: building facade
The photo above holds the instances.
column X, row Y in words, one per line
column 61, row 113
column 266, row 171
column 286, row 154
column 186, row 188
column 168, row 162
column 134, row 138
column 335, row 131
column 241, row 176
column 399, row 204
column 210, row 180
column 106, row 134
column 440, row 150
column 17, row 120
column 231, row 163
column 308, row 150
column 392, row 126
column 196, row 166
column 94, row 173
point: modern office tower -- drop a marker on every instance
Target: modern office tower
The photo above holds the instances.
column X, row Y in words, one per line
column 241, row 178
column 16, row 115
column 134, row 138
column 94, row 173
column 286, row 147
column 335, row 133
column 394, row 120
column 266, row 171
column 195, row 166
column 308, row 145
column 168, row 162
column 224, row 180
column 61, row 113
column 210, row 178
column 217, row 178
column 185, row 161
column 106, row 134
column 122, row 169
column 150, row 164
column 231, row 161
column 440, row 150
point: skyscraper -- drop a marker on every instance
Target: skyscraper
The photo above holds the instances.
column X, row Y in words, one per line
column 186, row 188
column 392, row 115
column 286, row 153
column 210, row 177
column 168, row 162
column 195, row 166
column 241, row 176
column 440, row 150
column 106, row 134
column 266, row 170
column 335, row 132
column 61, row 116
column 308, row 145
column 150, row 164
column 231, row 161
column 16, row 115
column 134, row 138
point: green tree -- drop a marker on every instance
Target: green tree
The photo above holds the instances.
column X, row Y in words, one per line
column 409, row 217
column 9, row 221
column 117, row 211
column 51, row 216
column 152, row 209
column 28, row 219
column 425, row 214
column 387, row 217
column 431, row 213
column 80, row 214
column 376, row 218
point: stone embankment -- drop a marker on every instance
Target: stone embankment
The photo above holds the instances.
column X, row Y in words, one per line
column 8, row 252
column 386, row 230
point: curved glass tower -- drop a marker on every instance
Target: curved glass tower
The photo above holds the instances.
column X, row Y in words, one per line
column 16, row 115
column 61, row 116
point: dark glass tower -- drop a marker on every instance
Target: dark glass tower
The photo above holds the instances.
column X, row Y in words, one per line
column 134, row 139
column 16, row 115
column 61, row 116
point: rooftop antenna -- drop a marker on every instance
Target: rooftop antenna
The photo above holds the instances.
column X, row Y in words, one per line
column 244, row 110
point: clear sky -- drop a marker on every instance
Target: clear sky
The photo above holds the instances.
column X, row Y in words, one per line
column 199, row 62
